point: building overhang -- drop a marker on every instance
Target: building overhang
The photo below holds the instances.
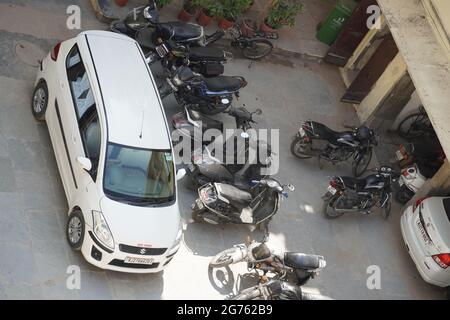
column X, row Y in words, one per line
column 426, row 58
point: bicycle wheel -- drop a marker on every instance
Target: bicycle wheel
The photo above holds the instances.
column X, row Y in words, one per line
column 414, row 125
column 257, row 49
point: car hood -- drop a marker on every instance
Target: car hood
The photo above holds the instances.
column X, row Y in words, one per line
column 155, row 227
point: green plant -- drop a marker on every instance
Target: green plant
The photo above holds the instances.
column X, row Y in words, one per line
column 162, row 3
column 232, row 9
column 211, row 8
column 283, row 13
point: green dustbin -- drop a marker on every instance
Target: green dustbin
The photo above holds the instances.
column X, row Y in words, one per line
column 330, row 29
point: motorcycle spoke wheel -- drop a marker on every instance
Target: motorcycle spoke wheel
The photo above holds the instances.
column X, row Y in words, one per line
column 301, row 149
column 329, row 211
column 414, row 126
column 361, row 164
column 257, row 49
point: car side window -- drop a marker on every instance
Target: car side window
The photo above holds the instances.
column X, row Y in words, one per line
column 80, row 87
column 85, row 108
column 91, row 137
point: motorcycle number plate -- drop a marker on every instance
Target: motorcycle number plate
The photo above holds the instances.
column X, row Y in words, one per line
column 331, row 190
column 399, row 155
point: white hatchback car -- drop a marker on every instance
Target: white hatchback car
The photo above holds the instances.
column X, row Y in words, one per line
column 113, row 150
column 426, row 232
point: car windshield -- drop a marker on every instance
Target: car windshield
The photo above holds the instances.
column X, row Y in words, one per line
column 139, row 176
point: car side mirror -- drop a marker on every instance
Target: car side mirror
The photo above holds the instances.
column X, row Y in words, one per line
column 180, row 174
column 85, row 163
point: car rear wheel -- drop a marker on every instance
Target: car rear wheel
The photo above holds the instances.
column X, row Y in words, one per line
column 75, row 230
column 39, row 101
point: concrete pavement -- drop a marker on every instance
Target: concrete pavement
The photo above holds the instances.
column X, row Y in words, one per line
column 34, row 255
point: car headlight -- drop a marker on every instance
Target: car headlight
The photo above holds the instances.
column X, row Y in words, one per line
column 101, row 230
column 177, row 241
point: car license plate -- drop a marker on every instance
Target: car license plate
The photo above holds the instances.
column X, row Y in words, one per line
column 331, row 190
column 135, row 260
column 423, row 233
column 399, row 155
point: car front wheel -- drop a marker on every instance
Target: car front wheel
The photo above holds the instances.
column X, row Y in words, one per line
column 75, row 230
column 39, row 101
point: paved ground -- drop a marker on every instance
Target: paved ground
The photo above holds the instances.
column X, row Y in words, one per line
column 34, row 255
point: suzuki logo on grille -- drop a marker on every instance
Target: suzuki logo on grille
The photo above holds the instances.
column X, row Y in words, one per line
column 143, row 251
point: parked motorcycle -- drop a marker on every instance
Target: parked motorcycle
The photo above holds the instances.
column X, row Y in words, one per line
column 293, row 267
column 411, row 180
column 209, row 96
column 143, row 25
column 346, row 194
column 223, row 203
column 277, row 290
column 316, row 139
column 425, row 151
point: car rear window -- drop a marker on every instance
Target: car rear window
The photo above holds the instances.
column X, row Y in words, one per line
column 446, row 202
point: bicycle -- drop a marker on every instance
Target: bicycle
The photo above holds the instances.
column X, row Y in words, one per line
column 254, row 45
column 416, row 125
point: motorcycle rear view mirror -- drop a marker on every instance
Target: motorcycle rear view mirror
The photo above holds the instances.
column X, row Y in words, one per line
column 290, row 187
column 225, row 101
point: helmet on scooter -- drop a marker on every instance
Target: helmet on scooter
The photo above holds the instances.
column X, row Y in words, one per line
column 261, row 252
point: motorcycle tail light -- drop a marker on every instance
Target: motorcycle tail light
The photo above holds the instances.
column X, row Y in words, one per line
column 333, row 183
column 405, row 173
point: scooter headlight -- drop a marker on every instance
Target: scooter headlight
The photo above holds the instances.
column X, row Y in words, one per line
column 208, row 195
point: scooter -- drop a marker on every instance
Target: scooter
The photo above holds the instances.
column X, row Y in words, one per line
column 223, row 203
column 410, row 181
column 277, row 290
column 209, row 96
column 294, row 267
column 187, row 122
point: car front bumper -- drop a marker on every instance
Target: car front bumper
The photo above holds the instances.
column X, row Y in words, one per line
column 103, row 258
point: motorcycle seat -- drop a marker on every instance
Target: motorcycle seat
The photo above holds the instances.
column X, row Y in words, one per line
column 206, row 54
column 330, row 135
column 145, row 38
column 182, row 32
column 303, row 261
column 233, row 195
column 363, row 183
column 223, row 83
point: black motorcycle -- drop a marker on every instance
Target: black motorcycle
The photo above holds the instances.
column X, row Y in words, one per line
column 277, row 290
column 223, row 203
column 143, row 25
column 316, row 139
column 209, row 96
column 347, row 195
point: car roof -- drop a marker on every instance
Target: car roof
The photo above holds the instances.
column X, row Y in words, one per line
column 133, row 109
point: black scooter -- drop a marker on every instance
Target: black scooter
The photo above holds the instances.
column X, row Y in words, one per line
column 223, row 203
